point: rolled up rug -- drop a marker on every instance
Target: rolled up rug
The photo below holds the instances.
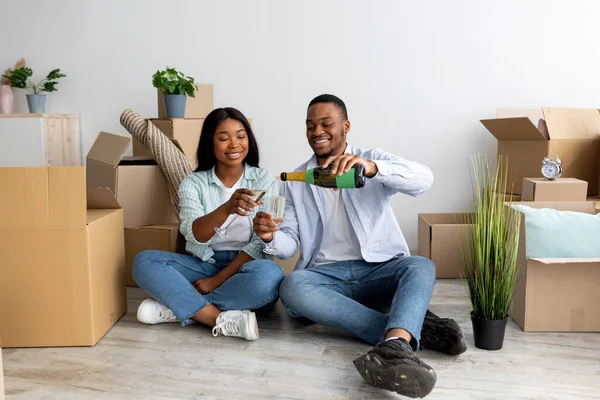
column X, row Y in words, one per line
column 170, row 159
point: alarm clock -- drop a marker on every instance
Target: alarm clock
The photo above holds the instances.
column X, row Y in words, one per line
column 551, row 167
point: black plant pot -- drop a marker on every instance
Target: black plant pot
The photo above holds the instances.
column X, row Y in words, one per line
column 488, row 334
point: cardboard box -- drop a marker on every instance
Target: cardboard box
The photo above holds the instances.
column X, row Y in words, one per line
column 185, row 133
column 137, row 182
column 511, row 197
column 63, row 264
column 596, row 201
column 152, row 237
column 556, row 295
column 439, row 239
column 167, row 237
column 2, row 391
column 562, row 189
column 289, row 264
column 195, row 107
column 572, row 134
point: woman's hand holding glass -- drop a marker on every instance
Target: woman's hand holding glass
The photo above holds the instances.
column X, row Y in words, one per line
column 241, row 203
column 269, row 216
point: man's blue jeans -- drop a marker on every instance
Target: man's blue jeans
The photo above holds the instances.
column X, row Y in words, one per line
column 169, row 277
column 355, row 296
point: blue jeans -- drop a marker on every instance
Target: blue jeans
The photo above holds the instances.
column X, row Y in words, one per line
column 168, row 278
column 355, row 296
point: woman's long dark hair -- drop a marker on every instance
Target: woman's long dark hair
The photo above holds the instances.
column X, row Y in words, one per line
column 206, row 152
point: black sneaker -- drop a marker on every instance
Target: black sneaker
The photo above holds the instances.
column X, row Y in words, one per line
column 442, row 334
column 392, row 365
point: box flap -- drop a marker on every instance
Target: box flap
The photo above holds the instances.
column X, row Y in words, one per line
column 511, row 129
column 534, row 114
column 572, row 123
column 164, row 125
column 549, row 261
column 109, row 148
column 557, row 182
column 424, row 237
column 447, row 218
column 137, row 160
column 100, row 198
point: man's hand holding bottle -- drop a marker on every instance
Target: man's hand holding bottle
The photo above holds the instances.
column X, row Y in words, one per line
column 342, row 164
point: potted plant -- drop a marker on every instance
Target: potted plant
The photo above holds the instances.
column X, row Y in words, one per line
column 490, row 252
column 6, row 93
column 175, row 87
column 20, row 78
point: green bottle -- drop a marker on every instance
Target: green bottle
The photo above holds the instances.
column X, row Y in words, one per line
column 353, row 179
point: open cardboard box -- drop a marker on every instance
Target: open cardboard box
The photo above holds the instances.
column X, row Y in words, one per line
column 439, row 237
column 571, row 133
column 137, row 182
column 596, row 201
column 63, row 258
column 556, row 295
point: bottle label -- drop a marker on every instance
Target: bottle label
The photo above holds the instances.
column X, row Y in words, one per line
column 346, row 181
column 310, row 176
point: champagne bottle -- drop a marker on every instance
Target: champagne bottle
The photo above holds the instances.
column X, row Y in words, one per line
column 353, row 179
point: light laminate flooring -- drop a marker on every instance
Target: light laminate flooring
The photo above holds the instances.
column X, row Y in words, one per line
column 295, row 360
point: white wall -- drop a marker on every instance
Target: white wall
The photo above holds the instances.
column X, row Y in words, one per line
column 416, row 75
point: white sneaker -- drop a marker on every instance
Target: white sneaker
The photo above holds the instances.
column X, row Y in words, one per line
column 237, row 323
column 152, row 312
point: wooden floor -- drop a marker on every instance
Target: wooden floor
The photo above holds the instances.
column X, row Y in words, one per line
column 293, row 360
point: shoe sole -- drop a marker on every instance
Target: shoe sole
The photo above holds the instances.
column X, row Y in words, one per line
column 405, row 379
column 251, row 327
column 449, row 324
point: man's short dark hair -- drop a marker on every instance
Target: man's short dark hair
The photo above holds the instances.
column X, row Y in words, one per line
column 329, row 98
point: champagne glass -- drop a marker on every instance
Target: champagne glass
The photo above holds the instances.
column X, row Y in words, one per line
column 222, row 230
column 275, row 205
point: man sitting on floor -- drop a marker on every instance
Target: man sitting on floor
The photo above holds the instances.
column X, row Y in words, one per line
column 355, row 264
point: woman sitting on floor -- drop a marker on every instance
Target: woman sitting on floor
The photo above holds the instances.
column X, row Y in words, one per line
column 228, row 275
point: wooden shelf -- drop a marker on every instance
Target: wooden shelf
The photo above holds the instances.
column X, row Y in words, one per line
column 29, row 115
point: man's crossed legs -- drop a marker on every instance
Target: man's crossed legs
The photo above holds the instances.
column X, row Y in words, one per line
column 356, row 296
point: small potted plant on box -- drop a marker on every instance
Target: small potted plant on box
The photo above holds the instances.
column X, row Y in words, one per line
column 490, row 252
column 175, row 87
column 21, row 78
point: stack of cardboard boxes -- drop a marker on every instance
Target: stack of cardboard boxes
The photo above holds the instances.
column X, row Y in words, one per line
column 551, row 294
column 69, row 234
column 140, row 187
